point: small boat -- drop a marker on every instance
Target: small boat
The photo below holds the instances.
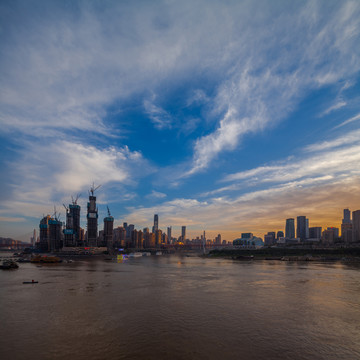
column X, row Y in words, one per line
column 244, row 257
column 30, row 282
column 158, row 253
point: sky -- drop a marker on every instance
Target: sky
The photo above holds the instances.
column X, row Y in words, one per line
column 224, row 116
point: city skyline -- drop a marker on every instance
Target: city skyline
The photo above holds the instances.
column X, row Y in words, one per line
column 227, row 120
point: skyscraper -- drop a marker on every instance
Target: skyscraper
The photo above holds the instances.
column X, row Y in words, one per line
column 169, row 234
column 356, row 226
column 156, row 223
column 92, row 218
column 44, row 233
column 346, row 219
column 108, row 231
column 55, row 243
column 301, row 227
column 183, row 234
column 74, row 210
column 72, row 229
column 290, row 228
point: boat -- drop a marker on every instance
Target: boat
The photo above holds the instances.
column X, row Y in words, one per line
column 158, row 253
column 8, row 265
column 30, row 282
column 244, row 257
column 146, row 253
column 45, row 259
column 135, row 254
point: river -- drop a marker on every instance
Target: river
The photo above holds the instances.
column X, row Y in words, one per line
column 181, row 307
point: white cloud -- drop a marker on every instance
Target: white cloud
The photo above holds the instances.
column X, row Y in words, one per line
column 224, row 138
column 156, row 195
column 51, row 173
column 268, row 80
column 352, row 119
column 159, row 117
column 338, row 105
column 347, row 139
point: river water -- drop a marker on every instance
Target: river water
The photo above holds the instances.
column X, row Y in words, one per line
column 180, row 307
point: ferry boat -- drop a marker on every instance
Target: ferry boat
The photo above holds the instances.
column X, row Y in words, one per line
column 135, row 254
column 8, row 265
column 45, row 259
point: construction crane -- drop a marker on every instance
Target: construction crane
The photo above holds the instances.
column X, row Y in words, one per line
column 108, row 210
column 74, row 202
column 55, row 215
column 93, row 189
column 66, row 208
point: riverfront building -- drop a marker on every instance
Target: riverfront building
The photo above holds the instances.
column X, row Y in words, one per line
column 301, row 227
column 290, row 229
column 356, row 226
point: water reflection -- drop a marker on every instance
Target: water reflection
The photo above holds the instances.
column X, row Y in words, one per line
column 182, row 308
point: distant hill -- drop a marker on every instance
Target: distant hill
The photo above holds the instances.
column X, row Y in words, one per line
column 11, row 242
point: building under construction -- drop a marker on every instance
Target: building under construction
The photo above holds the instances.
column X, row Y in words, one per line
column 108, row 230
column 55, row 239
column 72, row 230
column 44, row 233
column 50, row 233
column 92, row 218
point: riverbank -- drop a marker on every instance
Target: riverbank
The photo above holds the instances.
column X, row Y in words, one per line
column 290, row 254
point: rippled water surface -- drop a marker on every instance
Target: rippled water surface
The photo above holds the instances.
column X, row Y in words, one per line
column 173, row 307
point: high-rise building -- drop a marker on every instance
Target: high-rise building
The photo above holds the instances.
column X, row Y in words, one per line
column 356, row 226
column 272, row 233
column 315, row 232
column 44, row 233
column 329, row 235
column 290, row 229
column 156, row 223
column 346, row 219
column 169, row 234
column 346, row 232
column 55, row 241
column 33, row 238
column 301, row 228
column 335, row 230
column 119, row 236
column 218, row 240
column 108, row 231
column 279, row 234
column 72, row 228
column 129, row 230
column 183, row 234
column 92, row 218
column 158, row 236
column 306, row 228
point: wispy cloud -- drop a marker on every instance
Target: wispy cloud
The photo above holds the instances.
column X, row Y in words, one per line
column 159, row 117
column 348, row 121
column 338, row 105
column 347, row 139
column 255, row 96
column 156, row 195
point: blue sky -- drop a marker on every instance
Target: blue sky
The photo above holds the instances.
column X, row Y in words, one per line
column 224, row 116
